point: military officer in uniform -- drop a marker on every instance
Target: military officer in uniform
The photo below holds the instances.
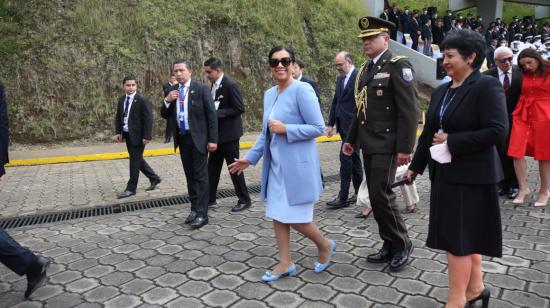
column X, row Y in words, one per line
column 384, row 126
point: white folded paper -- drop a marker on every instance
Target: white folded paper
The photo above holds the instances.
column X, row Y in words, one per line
column 216, row 104
column 440, row 153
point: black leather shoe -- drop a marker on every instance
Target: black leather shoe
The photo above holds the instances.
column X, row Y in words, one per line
column 512, row 193
column 401, row 258
column 353, row 199
column 167, row 140
column 199, row 222
column 502, row 191
column 337, row 203
column 37, row 275
column 192, row 216
column 240, row 206
column 212, row 203
column 126, row 194
column 154, row 184
column 383, row 255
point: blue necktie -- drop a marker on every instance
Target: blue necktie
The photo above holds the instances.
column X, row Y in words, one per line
column 183, row 130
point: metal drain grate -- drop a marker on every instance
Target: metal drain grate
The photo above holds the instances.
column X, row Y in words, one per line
column 36, row 219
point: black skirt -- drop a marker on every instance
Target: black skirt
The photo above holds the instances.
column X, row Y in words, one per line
column 464, row 218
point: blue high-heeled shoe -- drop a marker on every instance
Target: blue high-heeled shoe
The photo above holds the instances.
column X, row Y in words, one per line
column 269, row 276
column 319, row 267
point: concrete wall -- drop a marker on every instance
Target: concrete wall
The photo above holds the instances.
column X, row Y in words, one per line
column 424, row 67
column 374, row 7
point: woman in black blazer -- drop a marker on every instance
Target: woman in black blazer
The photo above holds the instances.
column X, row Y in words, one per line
column 467, row 114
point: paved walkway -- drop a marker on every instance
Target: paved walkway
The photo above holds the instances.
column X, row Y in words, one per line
column 150, row 258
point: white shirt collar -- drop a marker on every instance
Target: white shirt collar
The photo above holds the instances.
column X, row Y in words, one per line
column 501, row 72
column 131, row 96
column 375, row 60
column 219, row 81
column 187, row 84
column 348, row 75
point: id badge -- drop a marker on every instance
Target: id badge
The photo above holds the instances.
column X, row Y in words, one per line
column 379, row 92
column 180, row 118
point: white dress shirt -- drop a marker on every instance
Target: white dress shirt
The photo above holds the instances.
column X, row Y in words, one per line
column 348, row 75
column 216, row 86
column 125, row 126
column 185, row 105
column 501, row 75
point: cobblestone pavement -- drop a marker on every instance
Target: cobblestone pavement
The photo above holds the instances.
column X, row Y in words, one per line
column 150, row 258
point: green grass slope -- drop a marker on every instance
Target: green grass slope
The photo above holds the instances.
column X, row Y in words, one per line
column 62, row 62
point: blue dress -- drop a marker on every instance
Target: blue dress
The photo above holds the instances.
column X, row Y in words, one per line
column 291, row 175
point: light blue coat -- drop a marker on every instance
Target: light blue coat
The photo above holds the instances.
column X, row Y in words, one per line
column 298, row 108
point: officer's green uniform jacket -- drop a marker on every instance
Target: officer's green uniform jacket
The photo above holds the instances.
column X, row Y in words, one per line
column 389, row 122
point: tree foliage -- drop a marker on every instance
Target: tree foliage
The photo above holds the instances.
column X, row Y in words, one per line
column 63, row 61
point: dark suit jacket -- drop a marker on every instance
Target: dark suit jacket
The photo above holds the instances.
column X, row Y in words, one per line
column 391, row 119
column 313, row 85
column 476, row 121
column 4, row 130
column 515, row 88
column 166, row 88
column 202, row 117
column 230, row 123
column 343, row 102
column 140, row 119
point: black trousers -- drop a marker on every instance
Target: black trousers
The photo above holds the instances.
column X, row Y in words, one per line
column 137, row 164
column 227, row 151
column 510, row 180
column 196, row 173
column 380, row 172
column 15, row 257
column 350, row 170
column 414, row 39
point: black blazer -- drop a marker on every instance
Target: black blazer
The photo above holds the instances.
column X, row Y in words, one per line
column 230, row 123
column 202, row 117
column 343, row 103
column 140, row 121
column 515, row 88
column 4, row 131
column 476, row 121
column 313, row 85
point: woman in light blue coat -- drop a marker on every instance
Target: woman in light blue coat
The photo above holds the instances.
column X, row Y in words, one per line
column 291, row 173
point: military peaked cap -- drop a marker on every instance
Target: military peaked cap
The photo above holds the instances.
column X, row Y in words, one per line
column 373, row 26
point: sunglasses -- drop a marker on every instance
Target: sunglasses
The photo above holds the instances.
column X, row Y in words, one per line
column 505, row 60
column 284, row 61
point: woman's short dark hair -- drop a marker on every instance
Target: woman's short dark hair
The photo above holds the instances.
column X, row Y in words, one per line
column 466, row 42
column 544, row 65
column 280, row 48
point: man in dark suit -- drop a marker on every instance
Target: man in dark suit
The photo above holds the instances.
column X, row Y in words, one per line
column 17, row 258
column 230, row 106
column 298, row 74
column 166, row 88
column 385, row 14
column 134, row 124
column 416, row 28
column 447, row 21
column 341, row 113
column 511, row 77
column 190, row 107
column 386, row 132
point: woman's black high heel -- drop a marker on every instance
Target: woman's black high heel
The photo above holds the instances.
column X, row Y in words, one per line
column 483, row 296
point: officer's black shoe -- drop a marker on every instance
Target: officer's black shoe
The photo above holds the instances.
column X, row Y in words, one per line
column 401, row 258
column 37, row 275
column 383, row 255
column 153, row 185
column 191, row 217
column 353, row 199
column 126, row 194
column 502, row 191
column 337, row 203
column 199, row 222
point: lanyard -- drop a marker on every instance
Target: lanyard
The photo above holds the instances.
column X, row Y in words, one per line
column 444, row 105
column 182, row 100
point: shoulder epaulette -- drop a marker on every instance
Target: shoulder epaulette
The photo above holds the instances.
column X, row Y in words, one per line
column 397, row 58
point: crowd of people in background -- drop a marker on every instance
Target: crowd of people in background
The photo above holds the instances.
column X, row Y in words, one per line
column 427, row 28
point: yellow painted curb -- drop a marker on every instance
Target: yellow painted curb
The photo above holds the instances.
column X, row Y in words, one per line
column 119, row 155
